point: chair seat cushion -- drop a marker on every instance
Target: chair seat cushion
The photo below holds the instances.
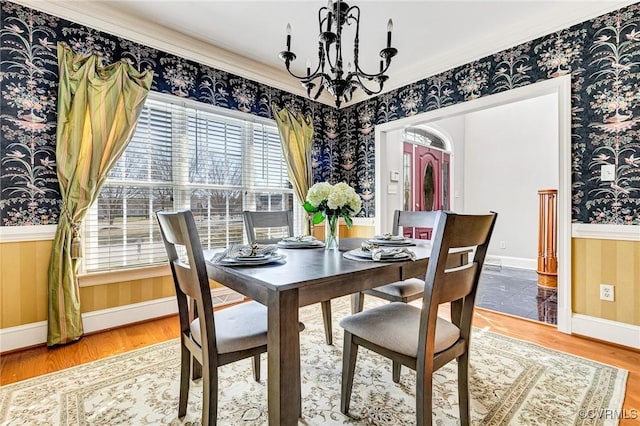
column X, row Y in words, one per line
column 239, row 327
column 406, row 288
column 395, row 326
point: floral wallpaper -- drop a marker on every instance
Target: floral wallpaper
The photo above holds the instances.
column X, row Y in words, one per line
column 29, row 192
column 603, row 57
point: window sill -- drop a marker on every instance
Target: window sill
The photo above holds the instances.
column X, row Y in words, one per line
column 112, row 277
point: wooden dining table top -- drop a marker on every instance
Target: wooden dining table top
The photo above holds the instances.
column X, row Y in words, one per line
column 307, row 267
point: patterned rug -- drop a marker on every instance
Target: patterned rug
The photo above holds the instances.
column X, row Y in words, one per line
column 512, row 383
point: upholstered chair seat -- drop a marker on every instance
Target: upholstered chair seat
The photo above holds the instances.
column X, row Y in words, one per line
column 396, row 327
column 238, row 329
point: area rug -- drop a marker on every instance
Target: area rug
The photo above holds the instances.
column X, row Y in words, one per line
column 511, row 383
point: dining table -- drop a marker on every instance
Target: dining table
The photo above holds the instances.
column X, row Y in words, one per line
column 306, row 276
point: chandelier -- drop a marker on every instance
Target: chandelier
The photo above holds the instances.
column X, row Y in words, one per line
column 329, row 73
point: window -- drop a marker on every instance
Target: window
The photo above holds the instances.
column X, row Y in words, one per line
column 424, row 137
column 185, row 155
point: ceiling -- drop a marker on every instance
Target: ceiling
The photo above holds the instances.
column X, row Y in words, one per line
column 431, row 36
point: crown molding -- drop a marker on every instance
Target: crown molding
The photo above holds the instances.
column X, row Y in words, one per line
column 477, row 49
column 100, row 16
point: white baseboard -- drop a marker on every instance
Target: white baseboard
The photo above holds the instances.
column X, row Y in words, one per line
column 511, row 262
column 606, row 330
column 26, row 335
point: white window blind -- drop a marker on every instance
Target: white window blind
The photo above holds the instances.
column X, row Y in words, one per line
column 185, row 155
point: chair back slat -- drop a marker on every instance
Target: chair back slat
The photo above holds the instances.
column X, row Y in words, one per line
column 174, row 229
column 457, row 283
column 471, row 231
column 413, row 219
column 179, row 233
column 184, row 278
column 277, row 219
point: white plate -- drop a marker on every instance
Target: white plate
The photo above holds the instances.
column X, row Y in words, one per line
column 307, row 239
column 350, row 255
column 257, row 257
column 301, row 244
column 385, row 257
column 391, row 238
column 244, row 262
column 402, row 242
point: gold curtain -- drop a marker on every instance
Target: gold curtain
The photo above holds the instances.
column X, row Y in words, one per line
column 98, row 108
column 296, row 135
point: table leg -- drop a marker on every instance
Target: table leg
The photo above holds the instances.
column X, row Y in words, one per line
column 284, row 358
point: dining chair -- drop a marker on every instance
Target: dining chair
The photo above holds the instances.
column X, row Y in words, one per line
column 208, row 340
column 406, row 290
column 282, row 219
column 264, row 220
column 415, row 336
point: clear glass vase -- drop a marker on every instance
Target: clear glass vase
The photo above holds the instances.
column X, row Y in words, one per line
column 331, row 236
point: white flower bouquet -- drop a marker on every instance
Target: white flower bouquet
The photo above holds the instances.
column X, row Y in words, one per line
column 331, row 202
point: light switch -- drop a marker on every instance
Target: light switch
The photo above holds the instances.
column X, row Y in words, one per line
column 607, row 173
column 392, row 188
column 394, row 176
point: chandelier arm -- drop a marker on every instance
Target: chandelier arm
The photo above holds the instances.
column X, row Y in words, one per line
column 320, row 18
column 299, row 77
column 357, row 81
column 372, row 76
column 322, row 76
column 320, row 67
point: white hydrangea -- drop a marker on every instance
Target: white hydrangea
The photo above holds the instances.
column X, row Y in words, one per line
column 336, row 196
column 355, row 202
column 339, row 196
column 318, row 193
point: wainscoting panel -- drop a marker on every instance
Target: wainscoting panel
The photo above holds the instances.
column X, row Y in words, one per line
column 23, row 282
column 106, row 296
column 597, row 261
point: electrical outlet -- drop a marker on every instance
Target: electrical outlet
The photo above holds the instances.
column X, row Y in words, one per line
column 503, row 244
column 607, row 172
column 606, row 292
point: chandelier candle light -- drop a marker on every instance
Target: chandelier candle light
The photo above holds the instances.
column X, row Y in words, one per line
column 331, row 202
column 329, row 73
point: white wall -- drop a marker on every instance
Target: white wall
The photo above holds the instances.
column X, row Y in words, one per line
column 392, row 161
column 511, row 152
column 500, row 158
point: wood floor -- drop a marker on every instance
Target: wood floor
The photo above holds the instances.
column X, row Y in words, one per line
column 37, row 361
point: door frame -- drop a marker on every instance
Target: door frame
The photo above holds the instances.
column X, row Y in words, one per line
column 561, row 86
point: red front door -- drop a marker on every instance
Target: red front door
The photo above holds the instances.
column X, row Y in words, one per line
column 430, row 183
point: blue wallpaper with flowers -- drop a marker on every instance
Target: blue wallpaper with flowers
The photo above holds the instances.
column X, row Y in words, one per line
column 603, row 57
column 28, row 90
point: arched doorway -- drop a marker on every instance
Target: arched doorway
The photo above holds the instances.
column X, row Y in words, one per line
column 426, row 170
column 560, row 88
